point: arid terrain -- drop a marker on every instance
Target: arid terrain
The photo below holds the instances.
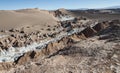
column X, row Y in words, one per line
column 60, row 41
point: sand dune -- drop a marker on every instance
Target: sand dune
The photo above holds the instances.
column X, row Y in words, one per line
column 25, row 17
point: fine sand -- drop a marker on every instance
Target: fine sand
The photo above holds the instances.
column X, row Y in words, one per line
column 34, row 19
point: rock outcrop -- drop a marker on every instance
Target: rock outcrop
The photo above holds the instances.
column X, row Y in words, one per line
column 6, row 66
column 58, row 45
column 60, row 12
column 88, row 32
column 101, row 26
column 19, row 41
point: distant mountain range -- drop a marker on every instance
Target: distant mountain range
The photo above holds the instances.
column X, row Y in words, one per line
column 112, row 7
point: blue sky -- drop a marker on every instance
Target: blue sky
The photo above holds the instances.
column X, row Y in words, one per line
column 55, row 4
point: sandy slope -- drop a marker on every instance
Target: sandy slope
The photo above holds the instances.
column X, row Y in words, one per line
column 25, row 17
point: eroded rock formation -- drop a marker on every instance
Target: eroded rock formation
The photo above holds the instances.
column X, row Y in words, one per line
column 52, row 47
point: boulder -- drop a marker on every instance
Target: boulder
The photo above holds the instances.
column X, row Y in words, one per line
column 12, row 30
column 66, row 24
column 18, row 43
column 11, row 40
column 2, row 44
column 5, row 43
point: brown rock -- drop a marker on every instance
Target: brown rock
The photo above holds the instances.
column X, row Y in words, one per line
column 12, row 30
column 11, row 39
column 78, row 36
column 5, row 66
column 114, row 22
column 23, row 59
column 2, row 43
column 52, row 47
column 100, row 26
column 88, row 32
column 81, row 36
column 30, row 56
column 18, row 43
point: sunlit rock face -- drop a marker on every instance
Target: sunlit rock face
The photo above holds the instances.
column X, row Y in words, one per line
column 63, row 15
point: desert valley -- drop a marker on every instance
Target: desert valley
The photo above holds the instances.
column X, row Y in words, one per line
column 60, row 41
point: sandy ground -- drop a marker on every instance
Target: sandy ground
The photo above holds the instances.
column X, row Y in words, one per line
column 29, row 19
